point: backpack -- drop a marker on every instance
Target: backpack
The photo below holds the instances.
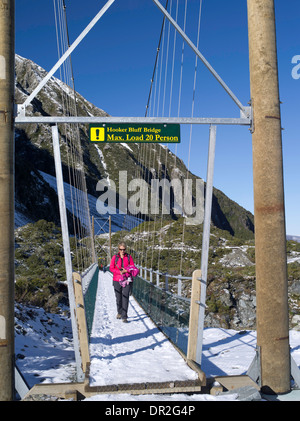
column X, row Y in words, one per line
column 118, row 257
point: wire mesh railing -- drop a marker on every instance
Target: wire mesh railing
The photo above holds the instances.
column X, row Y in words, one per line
column 169, row 311
column 89, row 288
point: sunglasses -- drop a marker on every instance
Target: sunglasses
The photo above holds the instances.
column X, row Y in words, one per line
column 122, row 249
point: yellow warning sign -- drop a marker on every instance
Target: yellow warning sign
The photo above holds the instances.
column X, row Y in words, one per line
column 135, row 132
column 97, row 134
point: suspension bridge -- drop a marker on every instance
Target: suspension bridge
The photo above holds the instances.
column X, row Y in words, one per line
column 89, row 294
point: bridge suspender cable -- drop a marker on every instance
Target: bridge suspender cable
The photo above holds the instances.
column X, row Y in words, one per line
column 156, row 59
column 77, row 182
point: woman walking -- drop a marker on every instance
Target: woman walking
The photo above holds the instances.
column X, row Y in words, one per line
column 122, row 288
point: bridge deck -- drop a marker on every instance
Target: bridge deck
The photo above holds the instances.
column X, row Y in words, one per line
column 131, row 353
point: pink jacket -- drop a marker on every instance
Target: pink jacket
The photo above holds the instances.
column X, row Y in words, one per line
column 115, row 268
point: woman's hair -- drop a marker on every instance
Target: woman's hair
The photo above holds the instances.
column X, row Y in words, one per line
column 122, row 244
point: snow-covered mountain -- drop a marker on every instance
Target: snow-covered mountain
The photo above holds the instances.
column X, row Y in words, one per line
column 35, row 199
column 36, row 190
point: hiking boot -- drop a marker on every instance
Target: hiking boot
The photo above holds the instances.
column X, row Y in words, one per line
column 119, row 316
column 124, row 320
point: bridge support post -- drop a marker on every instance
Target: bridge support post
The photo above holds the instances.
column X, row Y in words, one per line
column 7, row 80
column 194, row 316
column 206, row 237
column 81, row 321
column 67, row 250
column 269, row 210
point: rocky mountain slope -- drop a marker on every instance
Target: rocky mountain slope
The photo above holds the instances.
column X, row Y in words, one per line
column 36, row 200
column 39, row 253
column 231, row 294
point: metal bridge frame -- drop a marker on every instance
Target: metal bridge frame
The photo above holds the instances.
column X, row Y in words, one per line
column 245, row 119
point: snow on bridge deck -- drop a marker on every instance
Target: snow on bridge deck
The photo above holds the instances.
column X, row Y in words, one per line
column 134, row 352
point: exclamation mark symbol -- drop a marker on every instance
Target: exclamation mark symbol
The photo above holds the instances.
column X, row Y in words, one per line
column 97, row 134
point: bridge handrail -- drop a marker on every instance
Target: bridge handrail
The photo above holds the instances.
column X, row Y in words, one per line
column 166, row 275
column 180, row 297
column 87, row 276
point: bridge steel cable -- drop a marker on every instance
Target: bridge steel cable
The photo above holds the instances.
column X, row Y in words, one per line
column 162, row 75
column 77, row 181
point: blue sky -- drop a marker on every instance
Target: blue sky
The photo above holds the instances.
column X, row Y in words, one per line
column 113, row 67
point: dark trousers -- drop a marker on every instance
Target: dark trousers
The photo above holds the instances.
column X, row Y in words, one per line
column 122, row 298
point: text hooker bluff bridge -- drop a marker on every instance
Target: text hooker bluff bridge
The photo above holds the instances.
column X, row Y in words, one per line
column 273, row 366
